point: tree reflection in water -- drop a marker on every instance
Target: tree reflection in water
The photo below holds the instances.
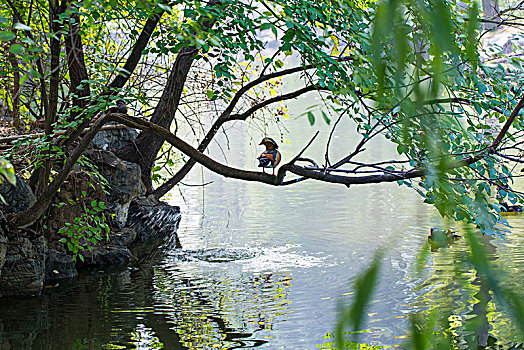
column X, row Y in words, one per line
column 151, row 305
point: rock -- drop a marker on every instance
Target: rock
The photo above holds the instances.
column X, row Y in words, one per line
column 102, row 256
column 23, row 271
column 154, row 221
column 124, row 180
column 124, row 237
column 18, row 197
column 111, row 140
column 59, row 265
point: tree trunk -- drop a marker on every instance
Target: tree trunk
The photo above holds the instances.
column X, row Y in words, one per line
column 40, row 177
column 77, row 68
column 145, row 148
column 16, row 87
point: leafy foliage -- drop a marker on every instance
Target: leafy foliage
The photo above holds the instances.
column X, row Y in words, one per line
column 417, row 80
column 86, row 230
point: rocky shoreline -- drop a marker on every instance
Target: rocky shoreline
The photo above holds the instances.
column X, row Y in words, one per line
column 34, row 257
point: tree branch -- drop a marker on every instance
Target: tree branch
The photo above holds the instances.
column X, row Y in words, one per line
column 288, row 96
column 29, row 216
column 136, row 53
column 270, row 76
column 168, row 185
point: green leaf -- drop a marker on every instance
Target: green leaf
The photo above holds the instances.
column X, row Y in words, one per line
column 364, row 288
column 165, row 8
column 8, row 171
column 266, row 25
column 6, row 35
column 402, row 149
column 311, row 118
column 326, row 118
column 17, row 49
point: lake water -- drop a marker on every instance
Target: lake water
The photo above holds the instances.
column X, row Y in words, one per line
column 263, row 266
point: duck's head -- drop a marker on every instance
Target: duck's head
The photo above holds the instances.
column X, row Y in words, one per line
column 269, row 143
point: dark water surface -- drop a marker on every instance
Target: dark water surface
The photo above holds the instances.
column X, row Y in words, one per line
column 263, row 267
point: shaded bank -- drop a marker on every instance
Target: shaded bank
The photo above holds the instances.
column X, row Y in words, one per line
column 37, row 256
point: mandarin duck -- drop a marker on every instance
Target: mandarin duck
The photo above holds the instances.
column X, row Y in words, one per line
column 271, row 156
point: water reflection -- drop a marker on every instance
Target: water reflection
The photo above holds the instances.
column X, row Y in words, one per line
column 265, row 267
column 149, row 306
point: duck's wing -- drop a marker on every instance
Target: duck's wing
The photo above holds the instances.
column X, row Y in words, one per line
column 277, row 159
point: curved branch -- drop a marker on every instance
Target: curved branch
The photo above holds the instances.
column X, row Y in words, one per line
column 189, row 150
column 168, row 185
column 288, row 96
column 32, row 214
column 277, row 180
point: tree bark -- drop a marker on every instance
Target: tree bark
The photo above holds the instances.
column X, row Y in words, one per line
column 123, row 76
column 145, row 148
column 77, row 67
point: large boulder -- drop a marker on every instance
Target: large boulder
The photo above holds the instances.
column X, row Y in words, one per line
column 152, row 219
column 124, row 181
column 59, row 265
column 112, row 140
column 109, row 255
column 18, row 197
column 24, row 268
